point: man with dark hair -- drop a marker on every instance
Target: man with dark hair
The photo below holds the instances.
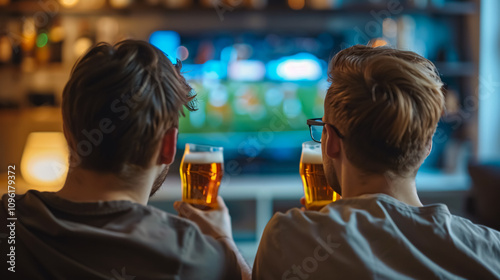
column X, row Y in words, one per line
column 381, row 111
column 120, row 116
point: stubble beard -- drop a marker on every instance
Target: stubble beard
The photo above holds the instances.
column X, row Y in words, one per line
column 159, row 180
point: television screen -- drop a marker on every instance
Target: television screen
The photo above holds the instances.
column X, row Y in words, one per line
column 255, row 93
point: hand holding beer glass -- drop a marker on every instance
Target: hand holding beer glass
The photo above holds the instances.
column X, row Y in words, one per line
column 317, row 191
column 202, row 168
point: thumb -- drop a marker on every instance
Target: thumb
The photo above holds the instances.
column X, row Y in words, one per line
column 221, row 205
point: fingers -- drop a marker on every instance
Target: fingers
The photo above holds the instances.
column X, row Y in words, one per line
column 185, row 209
column 303, row 201
column 177, row 205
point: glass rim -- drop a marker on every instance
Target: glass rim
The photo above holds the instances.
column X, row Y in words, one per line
column 205, row 148
column 310, row 144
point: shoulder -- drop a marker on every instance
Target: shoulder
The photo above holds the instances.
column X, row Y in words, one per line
column 297, row 217
column 13, row 197
column 294, row 220
column 332, row 217
column 296, row 238
column 300, row 228
column 11, row 201
column 469, row 231
column 169, row 219
column 186, row 231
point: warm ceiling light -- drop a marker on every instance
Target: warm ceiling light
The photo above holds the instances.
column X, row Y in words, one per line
column 379, row 43
column 56, row 34
column 68, row 3
column 81, row 46
column 5, row 49
column 44, row 163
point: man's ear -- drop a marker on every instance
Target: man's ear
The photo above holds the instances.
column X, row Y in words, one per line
column 429, row 148
column 332, row 143
column 168, row 146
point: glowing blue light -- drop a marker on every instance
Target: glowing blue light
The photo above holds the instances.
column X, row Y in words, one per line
column 299, row 67
column 192, row 71
column 489, row 86
column 214, row 69
column 274, row 96
column 167, row 42
column 218, row 96
column 292, row 107
column 228, row 54
column 247, row 70
column 198, row 117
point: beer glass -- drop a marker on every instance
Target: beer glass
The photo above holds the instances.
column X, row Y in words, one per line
column 317, row 191
column 201, row 173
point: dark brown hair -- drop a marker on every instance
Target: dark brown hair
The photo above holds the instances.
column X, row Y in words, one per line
column 387, row 102
column 119, row 102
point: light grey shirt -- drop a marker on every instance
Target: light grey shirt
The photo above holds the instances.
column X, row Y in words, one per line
column 376, row 237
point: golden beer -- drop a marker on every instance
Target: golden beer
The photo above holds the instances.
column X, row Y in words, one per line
column 316, row 190
column 201, row 174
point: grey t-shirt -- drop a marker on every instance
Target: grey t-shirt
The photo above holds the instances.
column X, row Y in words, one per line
column 376, row 237
column 59, row 239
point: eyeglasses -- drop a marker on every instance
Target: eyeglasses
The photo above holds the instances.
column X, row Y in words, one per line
column 316, row 129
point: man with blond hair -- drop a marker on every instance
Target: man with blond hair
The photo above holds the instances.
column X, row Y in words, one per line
column 381, row 112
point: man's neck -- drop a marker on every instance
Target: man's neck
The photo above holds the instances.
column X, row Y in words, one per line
column 403, row 189
column 89, row 186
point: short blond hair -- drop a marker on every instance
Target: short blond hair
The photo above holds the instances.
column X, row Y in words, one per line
column 387, row 103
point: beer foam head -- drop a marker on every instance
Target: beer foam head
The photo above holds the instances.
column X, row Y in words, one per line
column 203, row 157
column 312, row 156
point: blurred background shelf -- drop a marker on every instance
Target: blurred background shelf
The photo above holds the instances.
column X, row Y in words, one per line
column 448, row 8
column 457, row 69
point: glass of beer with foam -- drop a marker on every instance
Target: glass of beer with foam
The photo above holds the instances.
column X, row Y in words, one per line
column 317, row 191
column 202, row 168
